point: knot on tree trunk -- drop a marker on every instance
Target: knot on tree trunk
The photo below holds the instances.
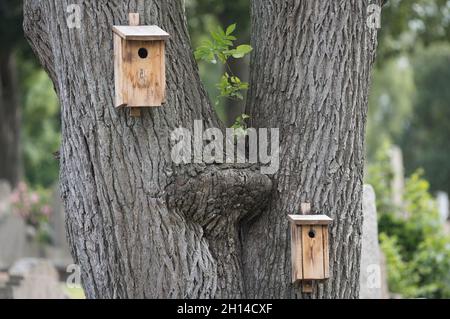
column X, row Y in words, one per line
column 219, row 197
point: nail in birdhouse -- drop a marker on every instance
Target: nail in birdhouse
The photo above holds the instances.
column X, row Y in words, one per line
column 309, row 247
column 140, row 74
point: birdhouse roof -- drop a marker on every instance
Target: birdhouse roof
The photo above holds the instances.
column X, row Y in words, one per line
column 141, row 32
column 310, row 219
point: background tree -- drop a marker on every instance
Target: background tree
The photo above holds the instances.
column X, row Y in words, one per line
column 29, row 123
column 10, row 121
column 141, row 226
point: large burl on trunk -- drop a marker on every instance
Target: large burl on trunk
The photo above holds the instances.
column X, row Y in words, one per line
column 141, row 226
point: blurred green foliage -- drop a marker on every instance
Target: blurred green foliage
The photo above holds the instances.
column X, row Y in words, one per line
column 406, row 25
column 400, row 277
column 409, row 29
column 425, row 139
column 41, row 131
column 40, row 123
column 416, row 248
column 390, row 103
column 220, row 48
column 206, row 15
column 409, row 106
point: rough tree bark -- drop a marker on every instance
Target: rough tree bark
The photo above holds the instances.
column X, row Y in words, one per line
column 315, row 89
column 10, row 159
column 141, row 226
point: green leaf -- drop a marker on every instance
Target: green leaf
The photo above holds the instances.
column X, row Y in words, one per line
column 231, row 29
column 216, row 36
column 244, row 48
column 221, row 31
column 241, row 51
column 240, row 126
column 238, row 95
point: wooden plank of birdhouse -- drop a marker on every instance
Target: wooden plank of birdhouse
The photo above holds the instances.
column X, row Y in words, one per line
column 312, row 252
column 307, row 286
column 133, row 21
column 293, row 254
column 326, row 253
column 305, row 208
column 310, row 219
column 162, row 68
column 296, row 258
column 145, row 77
column 141, row 32
column 118, row 68
column 135, row 112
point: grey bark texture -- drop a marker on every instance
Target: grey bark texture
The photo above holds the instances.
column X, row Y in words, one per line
column 310, row 76
column 141, row 226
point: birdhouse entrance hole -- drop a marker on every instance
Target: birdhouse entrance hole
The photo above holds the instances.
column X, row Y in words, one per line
column 143, row 53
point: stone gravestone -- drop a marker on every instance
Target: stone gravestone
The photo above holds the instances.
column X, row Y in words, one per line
column 5, row 193
column 37, row 279
column 59, row 252
column 372, row 278
column 443, row 205
column 398, row 179
column 12, row 230
column 5, row 289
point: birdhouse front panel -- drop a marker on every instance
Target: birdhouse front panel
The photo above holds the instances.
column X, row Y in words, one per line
column 140, row 74
column 144, row 69
column 309, row 247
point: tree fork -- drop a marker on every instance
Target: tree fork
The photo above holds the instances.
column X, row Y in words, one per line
column 142, row 227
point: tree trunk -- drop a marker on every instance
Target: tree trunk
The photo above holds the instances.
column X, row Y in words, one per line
column 314, row 89
column 10, row 159
column 141, row 226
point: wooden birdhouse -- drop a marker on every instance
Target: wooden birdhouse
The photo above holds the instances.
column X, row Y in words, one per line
column 139, row 65
column 309, row 247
